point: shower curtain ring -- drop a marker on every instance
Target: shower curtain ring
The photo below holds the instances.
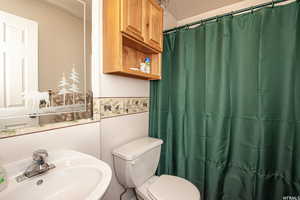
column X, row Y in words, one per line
column 252, row 9
column 232, row 13
column 273, row 3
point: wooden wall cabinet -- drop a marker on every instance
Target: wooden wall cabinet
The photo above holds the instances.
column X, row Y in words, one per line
column 154, row 25
column 132, row 18
column 133, row 31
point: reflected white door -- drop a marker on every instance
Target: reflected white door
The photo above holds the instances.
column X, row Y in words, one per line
column 18, row 68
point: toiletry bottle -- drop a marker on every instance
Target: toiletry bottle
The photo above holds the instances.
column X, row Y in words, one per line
column 143, row 67
column 3, row 179
column 148, row 65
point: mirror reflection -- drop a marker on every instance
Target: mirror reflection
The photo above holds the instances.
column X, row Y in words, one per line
column 45, row 51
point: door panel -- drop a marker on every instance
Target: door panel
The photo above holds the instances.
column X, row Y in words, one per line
column 154, row 25
column 18, row 67
column 132, row 18
column 14, row 87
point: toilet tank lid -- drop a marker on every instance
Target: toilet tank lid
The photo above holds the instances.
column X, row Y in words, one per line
column 136, row 148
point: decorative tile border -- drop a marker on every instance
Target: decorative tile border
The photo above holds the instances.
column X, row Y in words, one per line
column 96, row 108
column 108, row 107
column 77, row 115
column 102, row 108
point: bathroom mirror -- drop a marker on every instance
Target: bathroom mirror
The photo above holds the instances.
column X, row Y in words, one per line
column 45, row 51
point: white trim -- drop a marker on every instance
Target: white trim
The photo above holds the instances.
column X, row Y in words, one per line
column 96, row 46
column 84, row 52
column 97, row 49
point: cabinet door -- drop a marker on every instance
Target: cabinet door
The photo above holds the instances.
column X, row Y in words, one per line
column 154, row 25
column 132, row 18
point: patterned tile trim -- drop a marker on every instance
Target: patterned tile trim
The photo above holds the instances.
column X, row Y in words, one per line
column 108, row 107
column 102, row 108
column 96, row 108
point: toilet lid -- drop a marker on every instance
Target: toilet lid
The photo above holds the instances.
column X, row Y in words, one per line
column 173, row 188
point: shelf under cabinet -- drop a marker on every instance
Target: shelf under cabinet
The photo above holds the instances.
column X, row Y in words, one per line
column 133, row 56
column 137, row 74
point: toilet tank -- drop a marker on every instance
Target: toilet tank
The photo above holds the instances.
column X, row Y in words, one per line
column 137, row 161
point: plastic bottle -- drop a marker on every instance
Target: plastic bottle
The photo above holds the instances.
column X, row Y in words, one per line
column 148, row 65
column 3, row 179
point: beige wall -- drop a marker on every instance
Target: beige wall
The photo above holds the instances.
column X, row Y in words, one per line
column 223, row 10
column 186, row 8
column 84, row 138
column 170, row 20
column 60, row 39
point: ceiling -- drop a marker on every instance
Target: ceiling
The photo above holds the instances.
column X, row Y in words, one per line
column 182, row 9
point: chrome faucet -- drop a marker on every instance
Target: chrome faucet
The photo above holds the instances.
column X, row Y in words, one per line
column 38, row 165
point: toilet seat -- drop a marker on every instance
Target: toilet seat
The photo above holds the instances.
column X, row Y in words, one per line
column 172, row 188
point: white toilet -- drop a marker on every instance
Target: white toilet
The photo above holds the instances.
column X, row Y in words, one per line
column 135, row 165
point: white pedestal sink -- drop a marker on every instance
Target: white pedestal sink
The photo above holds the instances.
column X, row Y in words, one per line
column 77, row 176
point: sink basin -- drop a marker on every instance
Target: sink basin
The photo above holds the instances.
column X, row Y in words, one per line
column 77, row 176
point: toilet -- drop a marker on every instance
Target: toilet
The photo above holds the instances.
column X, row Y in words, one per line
column 135, row 165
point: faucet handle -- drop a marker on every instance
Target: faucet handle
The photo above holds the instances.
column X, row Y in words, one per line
column 40, row 155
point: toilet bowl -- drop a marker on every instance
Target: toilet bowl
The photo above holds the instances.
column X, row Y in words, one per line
column 167, row 187
column 135, row 166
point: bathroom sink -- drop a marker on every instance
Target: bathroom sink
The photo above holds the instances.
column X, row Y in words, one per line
column 76, row 176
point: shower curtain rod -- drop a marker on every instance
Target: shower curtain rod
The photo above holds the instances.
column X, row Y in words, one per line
column 225, row 15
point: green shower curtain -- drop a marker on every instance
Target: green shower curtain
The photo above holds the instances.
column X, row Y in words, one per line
column 228, row 106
